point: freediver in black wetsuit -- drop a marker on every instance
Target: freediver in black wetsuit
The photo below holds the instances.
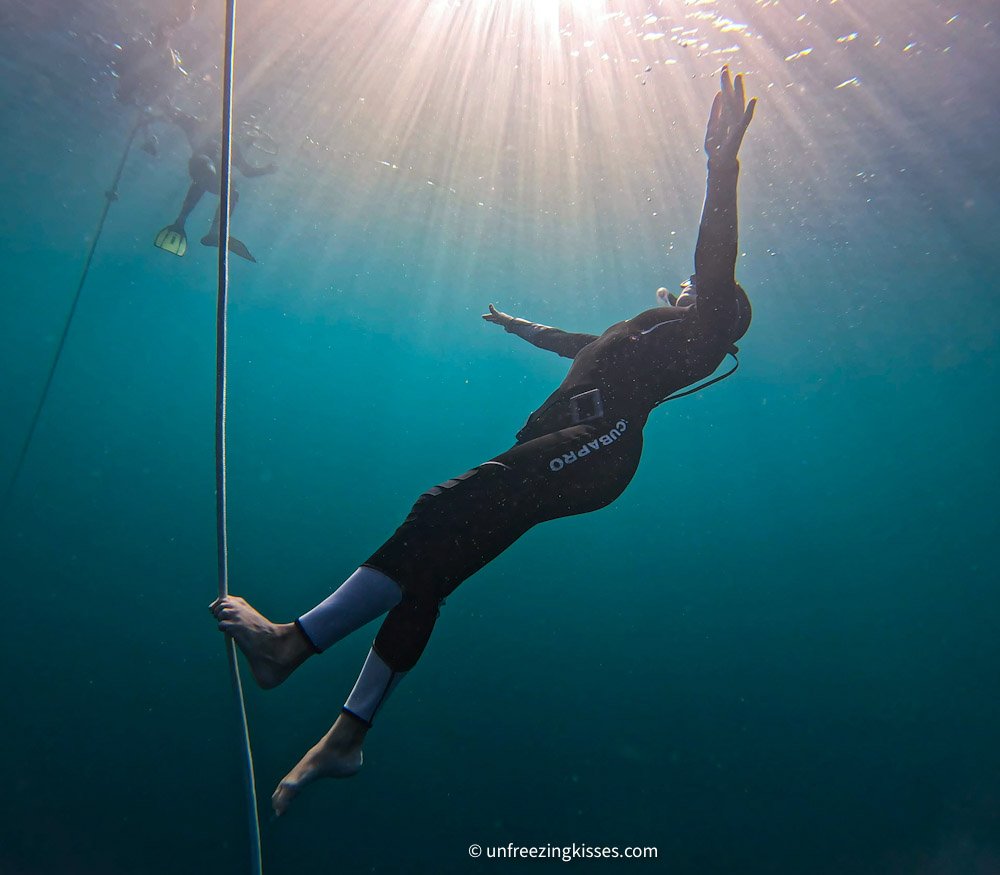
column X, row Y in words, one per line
column 577, row 453
column 206, row 154
column 148, row 72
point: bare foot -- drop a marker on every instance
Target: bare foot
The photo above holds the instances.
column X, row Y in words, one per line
column 274, row 650
column 336, row 755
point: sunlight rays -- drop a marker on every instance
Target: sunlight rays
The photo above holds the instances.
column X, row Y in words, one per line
column 473, row 125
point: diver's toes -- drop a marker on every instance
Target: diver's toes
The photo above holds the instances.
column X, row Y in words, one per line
column 283, row 797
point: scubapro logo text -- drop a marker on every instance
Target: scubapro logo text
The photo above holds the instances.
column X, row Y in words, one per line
column 604, row 440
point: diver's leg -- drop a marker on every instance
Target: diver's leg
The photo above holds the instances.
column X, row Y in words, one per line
column 453, row 530
column 191, row 200
column 236, row 246
column 213, row 231
column 364, row 596
column 203, row 178
column 338, row 754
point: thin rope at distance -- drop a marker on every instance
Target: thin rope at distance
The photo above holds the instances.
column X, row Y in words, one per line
column 110, row 196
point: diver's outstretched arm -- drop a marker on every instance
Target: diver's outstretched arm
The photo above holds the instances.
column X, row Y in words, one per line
column 565, row 343
column 715, row 253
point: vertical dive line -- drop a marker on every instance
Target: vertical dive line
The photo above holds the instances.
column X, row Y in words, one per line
column 220, row 422
column 222, row 300
column 110, row 196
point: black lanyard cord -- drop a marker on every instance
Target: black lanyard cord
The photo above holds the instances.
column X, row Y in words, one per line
column 711, row 382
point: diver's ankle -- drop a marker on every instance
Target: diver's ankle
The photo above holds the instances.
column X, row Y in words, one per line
column 294, row 647
column 347, row 733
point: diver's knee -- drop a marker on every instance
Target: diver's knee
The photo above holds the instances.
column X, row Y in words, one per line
column 406, row 630
column 202, row 170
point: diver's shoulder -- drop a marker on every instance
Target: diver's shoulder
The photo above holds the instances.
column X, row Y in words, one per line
column 666, row 313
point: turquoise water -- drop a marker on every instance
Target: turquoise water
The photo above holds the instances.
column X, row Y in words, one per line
column 776, row 653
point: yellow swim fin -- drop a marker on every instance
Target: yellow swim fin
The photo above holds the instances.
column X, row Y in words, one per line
column 172, row 239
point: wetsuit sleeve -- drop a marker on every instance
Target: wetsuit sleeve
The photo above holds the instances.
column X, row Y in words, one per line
column 715, row 253
column 565, row 343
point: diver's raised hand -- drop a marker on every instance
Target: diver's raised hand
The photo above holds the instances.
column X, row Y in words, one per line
column 497, row 317
column 729, row 119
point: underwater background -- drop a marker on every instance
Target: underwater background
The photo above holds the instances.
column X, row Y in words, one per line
column 777, row 652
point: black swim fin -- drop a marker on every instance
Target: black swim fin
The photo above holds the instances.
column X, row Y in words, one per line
column 236, row 246
column 172, row 239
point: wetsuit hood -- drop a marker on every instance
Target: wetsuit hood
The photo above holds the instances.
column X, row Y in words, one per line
column 689, row 295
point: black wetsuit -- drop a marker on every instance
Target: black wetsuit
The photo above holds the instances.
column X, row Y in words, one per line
column 580, row 449
column 206, row 158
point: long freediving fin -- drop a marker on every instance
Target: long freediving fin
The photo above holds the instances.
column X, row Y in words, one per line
column 236, row 246
column 172, row 239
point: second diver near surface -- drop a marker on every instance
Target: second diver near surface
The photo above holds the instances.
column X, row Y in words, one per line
column 576, row 454
column 206, row 154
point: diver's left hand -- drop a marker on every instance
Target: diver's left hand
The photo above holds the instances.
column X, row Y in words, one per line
column 729, row 119
column 497, row 317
